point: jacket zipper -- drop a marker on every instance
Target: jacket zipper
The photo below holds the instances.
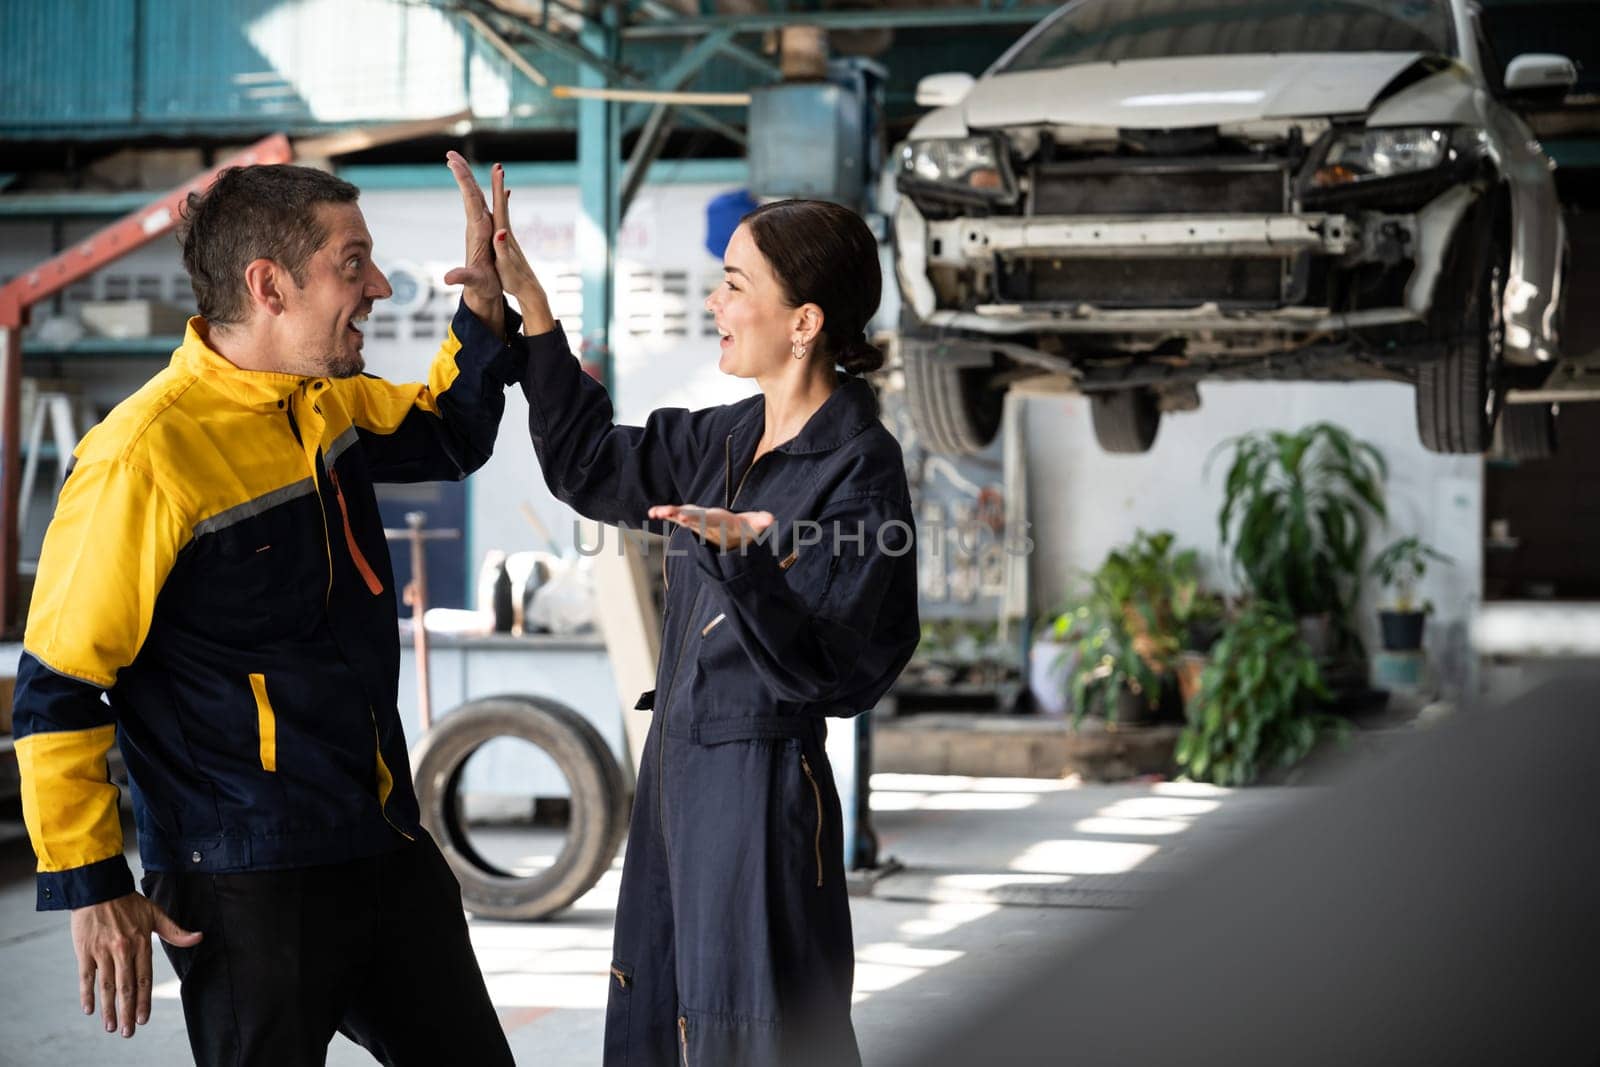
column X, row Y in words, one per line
column 361, row 563
column 672, row 684
column 728, row 470
column 661, row 745
column 327, row 544
column 374, row 586
column 816, row 792
column 622, row 979
column 683, row 1039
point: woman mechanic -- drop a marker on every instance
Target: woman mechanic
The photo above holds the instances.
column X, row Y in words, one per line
column 791, row 596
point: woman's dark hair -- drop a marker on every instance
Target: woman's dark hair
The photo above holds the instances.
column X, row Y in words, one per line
column 823, row 254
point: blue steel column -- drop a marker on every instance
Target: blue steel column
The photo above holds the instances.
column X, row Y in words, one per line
column 599, row 165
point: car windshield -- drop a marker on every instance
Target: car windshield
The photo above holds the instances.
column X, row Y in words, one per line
column 1106, row 31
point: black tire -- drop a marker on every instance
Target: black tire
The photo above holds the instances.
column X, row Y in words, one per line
column 1125, row 420
column 1526, row 431
column 1460, row 393
column 599, row 805
column 955, row 410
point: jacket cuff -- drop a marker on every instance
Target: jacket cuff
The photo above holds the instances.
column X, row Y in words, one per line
column 81, row 886
column 541, row 356
column 502, row 361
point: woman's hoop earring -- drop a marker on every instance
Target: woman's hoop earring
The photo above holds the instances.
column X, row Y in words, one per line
column 797, row 350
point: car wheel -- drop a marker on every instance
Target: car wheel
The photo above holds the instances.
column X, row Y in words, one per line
column 1125, row 420
column 1526, row 431
column 955, row 410
column 1459, row 394
column 599, row 803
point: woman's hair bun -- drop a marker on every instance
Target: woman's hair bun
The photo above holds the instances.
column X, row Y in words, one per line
column 859, row 356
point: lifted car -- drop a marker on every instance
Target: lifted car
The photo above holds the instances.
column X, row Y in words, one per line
column 1139, row 197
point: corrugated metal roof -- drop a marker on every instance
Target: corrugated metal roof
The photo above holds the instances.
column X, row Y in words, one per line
column 104, row 69
column 66, row 63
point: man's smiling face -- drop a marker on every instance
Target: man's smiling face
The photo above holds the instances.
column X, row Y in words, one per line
column 324, row 316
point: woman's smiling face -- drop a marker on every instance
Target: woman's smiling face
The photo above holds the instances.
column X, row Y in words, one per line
column 757, row 325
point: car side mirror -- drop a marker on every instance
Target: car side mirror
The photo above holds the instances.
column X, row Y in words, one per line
column 944, row 90
column 1540, row 77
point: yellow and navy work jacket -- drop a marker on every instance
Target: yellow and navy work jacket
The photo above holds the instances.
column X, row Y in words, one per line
column 217, row 569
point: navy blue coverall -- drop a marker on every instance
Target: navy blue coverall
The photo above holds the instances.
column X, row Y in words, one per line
column 732, row 941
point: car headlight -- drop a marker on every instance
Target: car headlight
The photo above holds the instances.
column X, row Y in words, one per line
column 1364, row 155
column 970, row 164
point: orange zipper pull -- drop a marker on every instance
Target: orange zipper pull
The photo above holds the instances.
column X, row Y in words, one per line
column 368, row 575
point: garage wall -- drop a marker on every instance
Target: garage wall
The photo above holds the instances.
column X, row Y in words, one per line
column 1085, row 502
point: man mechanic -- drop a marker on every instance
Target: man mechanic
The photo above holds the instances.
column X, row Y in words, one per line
column 214, row 595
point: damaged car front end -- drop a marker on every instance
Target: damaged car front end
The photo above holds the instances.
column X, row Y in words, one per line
column 1130, row 227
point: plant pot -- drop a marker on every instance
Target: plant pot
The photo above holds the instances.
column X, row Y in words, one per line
column 1402, row 630
column 1050, row 666
column 1200, row 635
column 1190, row 666
column 1317, row 632
column 1131, row 709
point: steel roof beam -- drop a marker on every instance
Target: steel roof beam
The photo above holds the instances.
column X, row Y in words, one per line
column 587, row 59
column 693, row 25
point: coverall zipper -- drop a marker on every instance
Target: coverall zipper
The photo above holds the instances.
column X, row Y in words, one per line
column 661, row 744
column 816, row 792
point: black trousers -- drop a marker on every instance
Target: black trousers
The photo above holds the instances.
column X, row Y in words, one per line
column 375, row 949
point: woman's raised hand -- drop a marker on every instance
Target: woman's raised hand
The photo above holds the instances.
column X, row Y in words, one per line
column 516, row 273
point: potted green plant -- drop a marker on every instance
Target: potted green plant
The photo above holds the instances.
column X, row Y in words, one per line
column 1258, row 703
column 1296, row 508
column 1400, row 567
column 1200, row 616
column 1108, row 673
column 1129, row 627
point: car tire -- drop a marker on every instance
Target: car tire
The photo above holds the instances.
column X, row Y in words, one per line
column 1459, row 393
column 955, row 410
column 1526, row 432
column 599, row 803
column 1125, row 420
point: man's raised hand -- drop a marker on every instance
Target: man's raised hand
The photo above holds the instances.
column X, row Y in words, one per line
column 479, row 281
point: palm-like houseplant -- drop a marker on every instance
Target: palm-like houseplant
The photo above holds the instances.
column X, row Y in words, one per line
column 1295, row 513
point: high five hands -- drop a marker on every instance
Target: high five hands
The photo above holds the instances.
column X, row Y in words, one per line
column 495, row 262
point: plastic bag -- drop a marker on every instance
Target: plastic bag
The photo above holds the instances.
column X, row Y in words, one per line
column 565, row 603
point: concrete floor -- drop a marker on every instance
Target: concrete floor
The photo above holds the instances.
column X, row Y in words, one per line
column 999, row 874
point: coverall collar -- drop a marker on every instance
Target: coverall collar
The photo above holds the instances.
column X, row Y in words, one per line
column 251, row 388
column 848, row 410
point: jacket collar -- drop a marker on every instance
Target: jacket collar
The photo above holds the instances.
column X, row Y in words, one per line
column 849, row 409
column 250, row 388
